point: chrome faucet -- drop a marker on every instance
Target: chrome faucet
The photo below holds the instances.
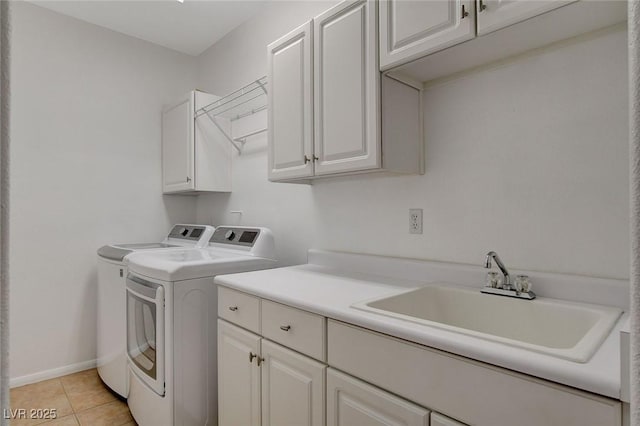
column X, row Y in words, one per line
column 506, row 283
column 507, row 289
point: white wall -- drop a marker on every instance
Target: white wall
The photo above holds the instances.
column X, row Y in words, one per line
column 528, row 158
column 237, row 59
column 85, row 172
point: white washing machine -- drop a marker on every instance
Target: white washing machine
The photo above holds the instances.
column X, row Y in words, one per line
column 111, row 313
column 171, row 324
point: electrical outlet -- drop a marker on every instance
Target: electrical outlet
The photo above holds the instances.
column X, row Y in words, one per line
column 415, row 221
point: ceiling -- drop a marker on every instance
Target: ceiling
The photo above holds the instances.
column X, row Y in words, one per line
column 189, row 27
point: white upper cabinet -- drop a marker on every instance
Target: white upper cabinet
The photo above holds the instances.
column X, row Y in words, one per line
column 195, row 155
column 177, row 146
column 413, row 28
column 496, row 14
column 326, row 113
column 290, row 105
column 422, row 41
column 347, row 89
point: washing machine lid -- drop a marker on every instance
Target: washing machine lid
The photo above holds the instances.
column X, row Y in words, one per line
column 143, row 246
column 113, row 253
column 179, row 236
column 179, row 265
column 119, row 251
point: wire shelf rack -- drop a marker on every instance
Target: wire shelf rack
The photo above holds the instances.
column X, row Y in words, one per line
column 243, row 102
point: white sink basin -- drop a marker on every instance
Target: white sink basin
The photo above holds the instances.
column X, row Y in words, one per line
column 568, row 330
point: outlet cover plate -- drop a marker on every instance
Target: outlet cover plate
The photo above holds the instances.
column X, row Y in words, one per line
column 415, row 221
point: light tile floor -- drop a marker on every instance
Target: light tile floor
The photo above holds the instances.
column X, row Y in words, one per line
column 79, row 399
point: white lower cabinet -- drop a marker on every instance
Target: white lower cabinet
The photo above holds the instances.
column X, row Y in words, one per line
column 238, row 376
column 474, row 392
column 263, row 383
column 343, row 375
column 292, row 388
column 351, row 402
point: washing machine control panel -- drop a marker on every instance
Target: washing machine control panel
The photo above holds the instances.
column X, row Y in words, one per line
column 240, row 236
column 187, row 232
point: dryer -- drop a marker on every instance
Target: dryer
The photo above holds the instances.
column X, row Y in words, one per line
column 111, row 298
column 171, row 324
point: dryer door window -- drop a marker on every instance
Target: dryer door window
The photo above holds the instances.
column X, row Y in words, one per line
column 145, row 331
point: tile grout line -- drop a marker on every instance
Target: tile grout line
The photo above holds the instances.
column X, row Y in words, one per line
column 66, row 395
column 75, row 413
column 89, row 408
column 96, row 406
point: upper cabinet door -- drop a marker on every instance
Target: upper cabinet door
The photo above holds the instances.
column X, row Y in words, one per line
column 290, row 105
column 496, row 14
column 178, row 146
column 346, row 88
column 410, row 29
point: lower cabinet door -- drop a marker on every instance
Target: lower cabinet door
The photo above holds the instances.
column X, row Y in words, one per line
column 292, row 388
column 353, row 402
column 440, row 420
column 238, row 376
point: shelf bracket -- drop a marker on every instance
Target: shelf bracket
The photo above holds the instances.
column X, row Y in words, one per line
column 226, row 136
column 262, row 85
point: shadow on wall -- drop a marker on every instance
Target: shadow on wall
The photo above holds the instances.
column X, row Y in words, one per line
column 180, row 208
column 86, row 324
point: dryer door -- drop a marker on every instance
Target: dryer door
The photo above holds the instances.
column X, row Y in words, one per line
column 145, row 331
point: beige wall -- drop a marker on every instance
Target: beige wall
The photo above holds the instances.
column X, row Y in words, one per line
column 528, row 158
column 85, row 172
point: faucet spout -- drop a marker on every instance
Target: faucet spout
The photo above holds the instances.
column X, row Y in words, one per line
column 487, row 264
column 507, row 289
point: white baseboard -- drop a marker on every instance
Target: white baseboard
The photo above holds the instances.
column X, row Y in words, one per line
column 51, row 374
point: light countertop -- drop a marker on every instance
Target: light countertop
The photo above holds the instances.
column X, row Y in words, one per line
column 330, row 292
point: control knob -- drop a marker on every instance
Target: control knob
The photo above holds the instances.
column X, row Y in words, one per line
column 230, row 235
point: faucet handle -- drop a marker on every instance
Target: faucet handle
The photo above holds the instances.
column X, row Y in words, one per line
column 493, row 280
column 517, row 286
column 522, row 283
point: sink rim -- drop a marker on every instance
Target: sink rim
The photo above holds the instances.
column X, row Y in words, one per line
column 581, row 352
